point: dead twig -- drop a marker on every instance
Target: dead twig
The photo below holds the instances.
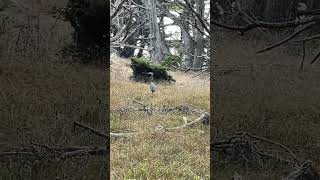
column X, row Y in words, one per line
column 96, row 132
column 81, row 152
column 304, row 172
column 275, row 143
column 317, row 36
column 315, row 58
column 247, row 148
column 55, row 153
column 288, row 38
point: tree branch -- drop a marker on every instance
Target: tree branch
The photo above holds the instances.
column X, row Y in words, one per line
column 317, row 36
column 315, row 58
column 117, row 9
column 288, row 38
column 134, row 31
column 257, row 24
column 94, row 131
column 205, row 26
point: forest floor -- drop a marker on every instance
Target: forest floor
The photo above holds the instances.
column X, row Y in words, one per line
column 266, row 95
column 158, row 155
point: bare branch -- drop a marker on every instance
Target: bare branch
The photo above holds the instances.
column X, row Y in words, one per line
column 315, row 58
column 127, row 45
column 61, row 152
column 117, row 9
column 138, row 5
column 288, row 38
column 134, row 31
column 118, row 35
column 203, row 118
column 205, row 26
column 309, row 38
column 96, row 132
column 257, row 24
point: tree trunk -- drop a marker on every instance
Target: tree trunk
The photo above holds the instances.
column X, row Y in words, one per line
column 163, row 35
column 140, row 53
column 188, row 47
column 158, row 48
column 199, row 41
column 128, row 52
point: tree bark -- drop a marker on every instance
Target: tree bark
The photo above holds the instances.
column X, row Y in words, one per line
column 188, row 46
column 158, row 48
column 199, row 40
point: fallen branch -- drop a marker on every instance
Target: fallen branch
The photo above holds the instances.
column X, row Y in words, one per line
column 101, row 134
column 55, row 153
column 275, row 143
column 96, row 132
column 121, row 134
column 161, row 110
column 244, row 147
column 304, row 172
column 127, row 45
column 97, row 151
column 204, row 118
column 138, row 102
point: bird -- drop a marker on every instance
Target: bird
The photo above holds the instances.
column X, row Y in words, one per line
column 152, row 85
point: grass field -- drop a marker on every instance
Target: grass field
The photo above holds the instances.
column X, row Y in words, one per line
column 39, row 105
column 182, row 154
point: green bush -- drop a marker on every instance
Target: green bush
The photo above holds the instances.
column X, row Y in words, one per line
column 141, row 66
column 171, row 60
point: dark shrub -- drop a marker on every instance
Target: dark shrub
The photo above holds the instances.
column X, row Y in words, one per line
column 141, row 66
column 90, row 20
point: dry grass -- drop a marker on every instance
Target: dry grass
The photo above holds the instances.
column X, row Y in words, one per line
column 267, row 96
column 40, row 98
column 173, row 155
column 39, row 104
